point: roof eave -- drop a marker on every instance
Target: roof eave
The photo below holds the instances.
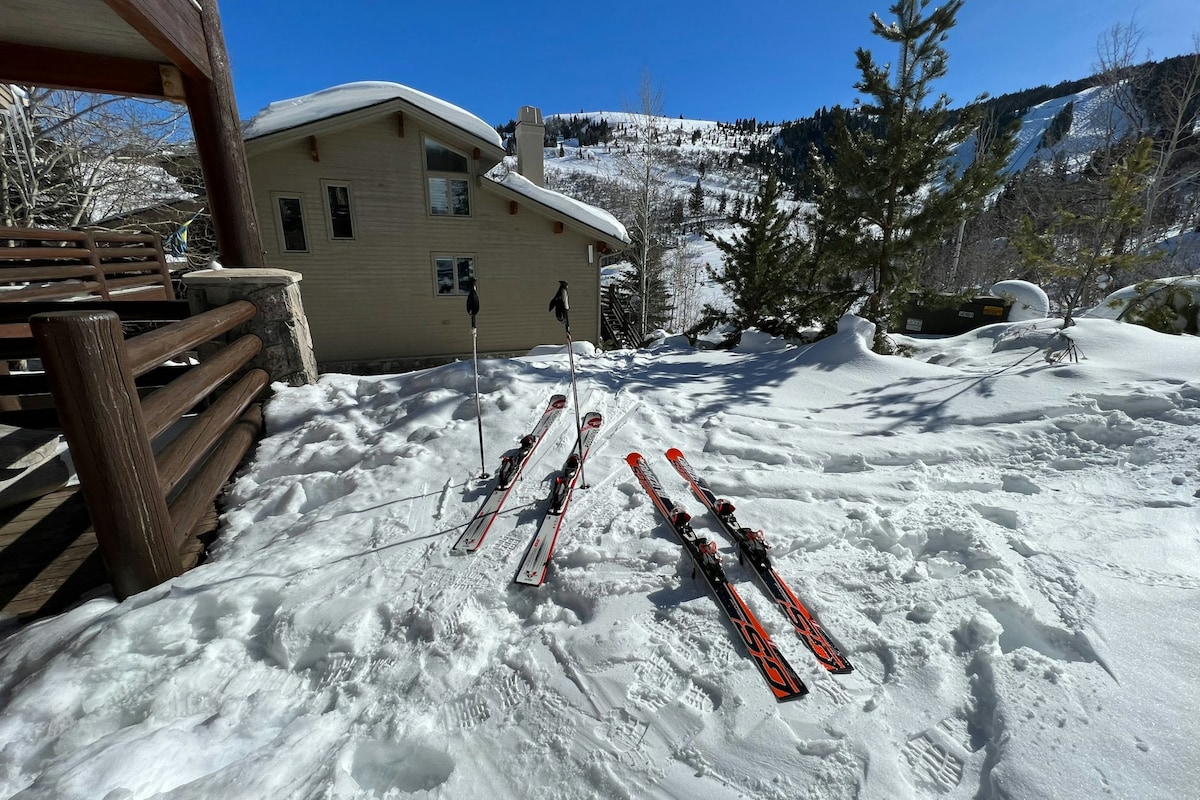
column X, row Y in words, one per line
column 489, row 152
column 614, row 244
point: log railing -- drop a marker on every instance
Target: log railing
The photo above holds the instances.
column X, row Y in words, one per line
column 25, row 399
column 145, row 507
column 40, row 264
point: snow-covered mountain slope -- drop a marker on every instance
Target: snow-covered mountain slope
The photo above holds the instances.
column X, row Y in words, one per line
column 1096, row 114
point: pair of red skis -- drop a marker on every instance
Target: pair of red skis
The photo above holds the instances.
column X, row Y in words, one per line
column 779, row 674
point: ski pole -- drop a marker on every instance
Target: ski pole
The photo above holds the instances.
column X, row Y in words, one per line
column 561, row 308
column 473, row 310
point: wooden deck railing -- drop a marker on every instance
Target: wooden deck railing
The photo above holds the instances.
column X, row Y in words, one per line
column 57, row 264
column 157, row 404
column 145, row 507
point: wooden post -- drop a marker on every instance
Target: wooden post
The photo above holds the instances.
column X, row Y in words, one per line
column 97, row 402
column 218, row 131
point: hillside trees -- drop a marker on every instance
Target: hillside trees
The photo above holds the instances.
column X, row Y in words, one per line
column 892, row 188
column 1083, row 228
column 1173, row 97
column 1160, row 100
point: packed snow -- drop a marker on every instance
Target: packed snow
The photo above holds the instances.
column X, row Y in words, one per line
column 1007, row 549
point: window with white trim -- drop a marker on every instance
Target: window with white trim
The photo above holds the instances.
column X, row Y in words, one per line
column 289, row 221
column 452, row 273
column 447, row 172
column 338, row 210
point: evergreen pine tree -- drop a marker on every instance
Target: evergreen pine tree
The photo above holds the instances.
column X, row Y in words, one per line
column 696, row 199
column 890, row 186
column 650, row 274
column 760, row 266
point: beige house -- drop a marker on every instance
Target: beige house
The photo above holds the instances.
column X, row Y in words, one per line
column 378, row 195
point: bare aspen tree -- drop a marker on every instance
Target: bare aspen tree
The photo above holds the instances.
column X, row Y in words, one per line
column 1117, row 52
column 74, row 158
column 1177, row 152
column 641, row 167
column 684, row 284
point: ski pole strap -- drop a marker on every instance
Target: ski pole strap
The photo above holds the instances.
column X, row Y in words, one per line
column 559, row 303
column 472, row 301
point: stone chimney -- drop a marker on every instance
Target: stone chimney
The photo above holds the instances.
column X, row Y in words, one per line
column 531, row 136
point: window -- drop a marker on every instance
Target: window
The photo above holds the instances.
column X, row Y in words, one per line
column 439, row 158
column 452, row 273
column 337, row 203
column 449, row 194
column 289, row 210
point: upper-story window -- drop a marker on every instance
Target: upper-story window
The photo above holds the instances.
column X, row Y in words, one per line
column 337, row 204
column 449, row 187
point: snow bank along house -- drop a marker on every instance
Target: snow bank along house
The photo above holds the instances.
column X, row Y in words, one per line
column 377, row 194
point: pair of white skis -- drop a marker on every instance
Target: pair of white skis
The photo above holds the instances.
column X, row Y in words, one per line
column 532, row 571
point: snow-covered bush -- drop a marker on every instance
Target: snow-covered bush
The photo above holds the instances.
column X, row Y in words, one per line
column 1168, row 305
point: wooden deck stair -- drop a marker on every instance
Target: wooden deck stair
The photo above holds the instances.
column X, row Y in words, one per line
column 49, row 556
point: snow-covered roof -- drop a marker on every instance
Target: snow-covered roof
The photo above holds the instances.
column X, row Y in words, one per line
column 594, row 217
column 285, row 114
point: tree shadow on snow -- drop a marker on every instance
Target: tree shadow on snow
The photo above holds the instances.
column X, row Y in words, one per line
column 927, row 401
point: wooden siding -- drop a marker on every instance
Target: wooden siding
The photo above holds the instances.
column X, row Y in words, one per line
column 373, row 297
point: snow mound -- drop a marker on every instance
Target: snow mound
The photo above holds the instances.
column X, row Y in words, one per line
column 1029, row 301
column 1166, row 304
column 755, row 341
column 581, row 348
column 851, row 343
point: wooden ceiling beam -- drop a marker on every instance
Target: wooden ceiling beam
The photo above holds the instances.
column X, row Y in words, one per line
column 64, row 69
column 180, row 36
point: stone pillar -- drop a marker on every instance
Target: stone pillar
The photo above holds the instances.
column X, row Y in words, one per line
column 287, row 353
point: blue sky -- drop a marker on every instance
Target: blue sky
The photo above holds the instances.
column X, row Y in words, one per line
column 712, row 60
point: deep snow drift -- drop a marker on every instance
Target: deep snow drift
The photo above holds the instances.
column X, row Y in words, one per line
column 1007, row 549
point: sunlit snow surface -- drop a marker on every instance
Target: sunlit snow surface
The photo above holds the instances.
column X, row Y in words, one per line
column 1006, row 548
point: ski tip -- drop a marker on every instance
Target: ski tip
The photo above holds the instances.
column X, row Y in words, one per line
column 674, row 453
column 633, row 458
